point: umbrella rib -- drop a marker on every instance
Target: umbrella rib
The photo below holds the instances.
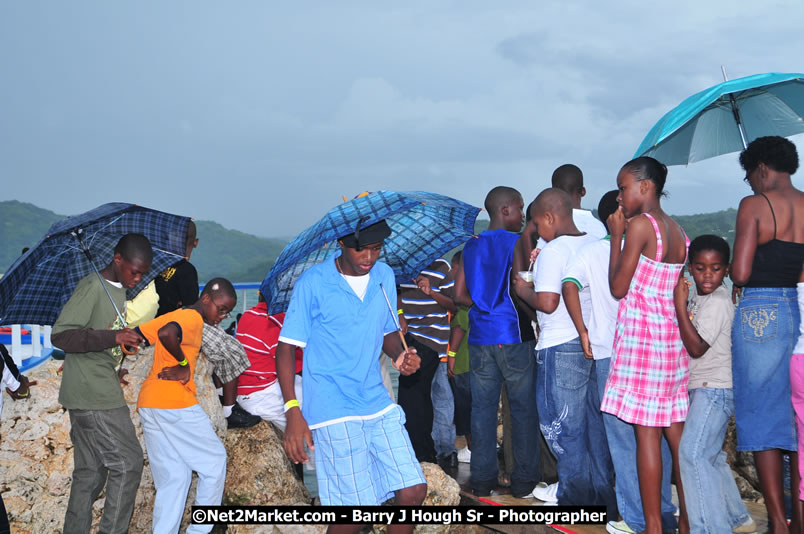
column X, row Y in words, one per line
column 99, row 230
column 59, row 254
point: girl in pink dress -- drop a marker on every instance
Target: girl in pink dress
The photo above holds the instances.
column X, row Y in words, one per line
column 647, row 383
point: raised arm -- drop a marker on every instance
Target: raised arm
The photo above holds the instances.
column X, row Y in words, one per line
column 692, row 340
column 623, row 261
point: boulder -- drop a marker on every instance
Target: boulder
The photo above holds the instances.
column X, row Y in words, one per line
column 36, row 460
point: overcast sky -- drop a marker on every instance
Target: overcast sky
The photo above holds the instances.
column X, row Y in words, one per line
column 260, row 115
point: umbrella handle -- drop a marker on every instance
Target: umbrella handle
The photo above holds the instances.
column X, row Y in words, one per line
column 129, row 350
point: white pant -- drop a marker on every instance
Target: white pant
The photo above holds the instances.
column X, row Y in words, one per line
column 269, row 404
column 178, row 442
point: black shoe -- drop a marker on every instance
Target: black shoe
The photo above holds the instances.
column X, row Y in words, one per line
column 240, row 418
column 448, row 460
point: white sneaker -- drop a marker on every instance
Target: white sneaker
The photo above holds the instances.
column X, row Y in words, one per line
column 464, row 455
column 618, row 527
column 546, row 493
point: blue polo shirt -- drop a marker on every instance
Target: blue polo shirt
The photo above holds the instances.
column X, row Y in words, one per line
column 487, row 262
column 342, row 338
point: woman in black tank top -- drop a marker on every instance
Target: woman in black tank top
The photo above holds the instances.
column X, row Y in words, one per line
column 768, row 256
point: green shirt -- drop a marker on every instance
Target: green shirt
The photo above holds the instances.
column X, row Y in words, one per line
column 461, row 320
column 90, row 379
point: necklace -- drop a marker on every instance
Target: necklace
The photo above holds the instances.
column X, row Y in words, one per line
column 338, row 265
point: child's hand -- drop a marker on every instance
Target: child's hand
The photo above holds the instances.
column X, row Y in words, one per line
column 587, row 346
column 180, row 373
column 297, row 434
column 521, row 288
column 534, row 254
column 128, row 338
column 408, row 362
column 121, row 376
column 616, row 222
column 423, row 284
column 681, row 293
column 24, row 391
column 451, row 367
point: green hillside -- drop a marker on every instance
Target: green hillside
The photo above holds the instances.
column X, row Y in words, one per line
column 23, row 225
column 244, row 257
column 235, row 255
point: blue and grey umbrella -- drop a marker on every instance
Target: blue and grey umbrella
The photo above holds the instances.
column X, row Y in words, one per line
column 424, row 226
column 726, row 117
column 37, row 286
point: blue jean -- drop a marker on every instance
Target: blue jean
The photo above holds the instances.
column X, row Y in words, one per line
column 713, row 502
column 570, row 419
column 443, row 412
column 491, row 365
column 622, row 445
column 764, row 333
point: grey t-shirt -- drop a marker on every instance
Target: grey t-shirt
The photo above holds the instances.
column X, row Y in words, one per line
column 712, row 316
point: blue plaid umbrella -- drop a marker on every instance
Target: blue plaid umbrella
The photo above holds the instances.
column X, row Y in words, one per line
column 37, row 286
column 424, row 226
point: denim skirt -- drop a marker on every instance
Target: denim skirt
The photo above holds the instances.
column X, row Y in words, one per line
column 764, row 333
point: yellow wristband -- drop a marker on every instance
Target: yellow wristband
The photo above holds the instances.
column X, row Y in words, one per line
column 183, row 363
column 292, row 403
column 399, row 311
column 451, row 354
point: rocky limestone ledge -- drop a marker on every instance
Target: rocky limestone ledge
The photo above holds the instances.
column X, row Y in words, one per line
column 36, row 460
column 441, row 490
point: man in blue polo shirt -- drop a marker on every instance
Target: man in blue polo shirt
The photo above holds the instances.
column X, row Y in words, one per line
column 340, row 316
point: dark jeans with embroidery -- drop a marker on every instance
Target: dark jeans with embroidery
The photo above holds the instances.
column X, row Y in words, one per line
column 571, row 422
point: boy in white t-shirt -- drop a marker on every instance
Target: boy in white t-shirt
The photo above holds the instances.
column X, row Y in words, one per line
column 568, row 415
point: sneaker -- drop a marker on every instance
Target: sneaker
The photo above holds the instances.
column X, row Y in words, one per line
column 618, row 527
column 748, row 527
column 464, row 455
column 240, row 418
column 546, row 493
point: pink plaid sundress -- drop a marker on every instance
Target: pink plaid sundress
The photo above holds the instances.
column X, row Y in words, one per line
column 649, row 373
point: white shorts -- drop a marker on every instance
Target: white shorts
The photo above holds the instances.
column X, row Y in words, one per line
column 269, row 404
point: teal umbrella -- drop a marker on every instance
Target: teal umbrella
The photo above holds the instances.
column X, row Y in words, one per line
column 726, row 117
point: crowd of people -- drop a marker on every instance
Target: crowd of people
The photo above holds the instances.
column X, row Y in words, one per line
column 617, row 374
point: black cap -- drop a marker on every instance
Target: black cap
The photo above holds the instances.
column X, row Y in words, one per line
column 373, row 233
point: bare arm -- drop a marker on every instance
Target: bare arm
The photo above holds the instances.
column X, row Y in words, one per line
column 572, row 301
column 542, row 301
column 297, row 432
column 692, row 340
column 170, row 337
column 462, row 296
column 444, row 301
column 407, row 362
column 623, row 263
column 745, row 242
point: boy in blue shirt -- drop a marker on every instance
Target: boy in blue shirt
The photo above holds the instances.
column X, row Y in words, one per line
column 498, row 351
column 340, row 316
